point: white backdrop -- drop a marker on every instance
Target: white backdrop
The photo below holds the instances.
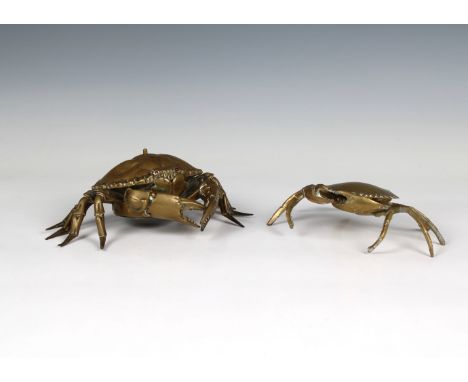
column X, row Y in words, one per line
column 268, row 110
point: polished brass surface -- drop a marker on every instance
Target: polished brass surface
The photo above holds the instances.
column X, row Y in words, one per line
column 150, row 186
column 362, row 199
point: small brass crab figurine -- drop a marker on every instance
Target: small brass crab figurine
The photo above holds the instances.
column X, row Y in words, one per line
column 150, row 186
column 362, row 199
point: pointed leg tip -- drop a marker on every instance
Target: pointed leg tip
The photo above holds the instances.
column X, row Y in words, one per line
column 69, row 238
column 370, row 249
column 239, row 213
column 64, row 243
column 233, row 219
column 54, row 226
column 60, row 232
column 102, row 242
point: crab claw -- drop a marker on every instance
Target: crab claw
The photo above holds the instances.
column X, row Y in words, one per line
column 214, row 196
column 171, row 207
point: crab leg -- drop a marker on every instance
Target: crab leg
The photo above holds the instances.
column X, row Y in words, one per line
column 287, row 207
column 72, row 222
column 423, row 222
column 388, row 219
column 214, row 196
column 429, row 225
column 66, row 221
column 238, row 213
column 416, row 215
column 99, row 217
column 228, row 212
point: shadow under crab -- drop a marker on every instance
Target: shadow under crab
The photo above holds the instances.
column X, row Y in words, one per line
column 150, row 186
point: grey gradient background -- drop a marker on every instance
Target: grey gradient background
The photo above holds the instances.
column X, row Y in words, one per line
column 268, row 109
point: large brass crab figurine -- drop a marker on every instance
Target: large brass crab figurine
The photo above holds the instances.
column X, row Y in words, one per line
column 150, row 186
column 361, row 199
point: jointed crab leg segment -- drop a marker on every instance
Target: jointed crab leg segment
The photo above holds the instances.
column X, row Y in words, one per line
column 429, row 225
column 214, row 196
column 228, row 212
column 60, row 232
column 287, row 206
column 66, row 221
column 238, row 213
column 423, row 222
column 416, row 215
column 99, row 216
column 74, row 223
column 388, row 219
